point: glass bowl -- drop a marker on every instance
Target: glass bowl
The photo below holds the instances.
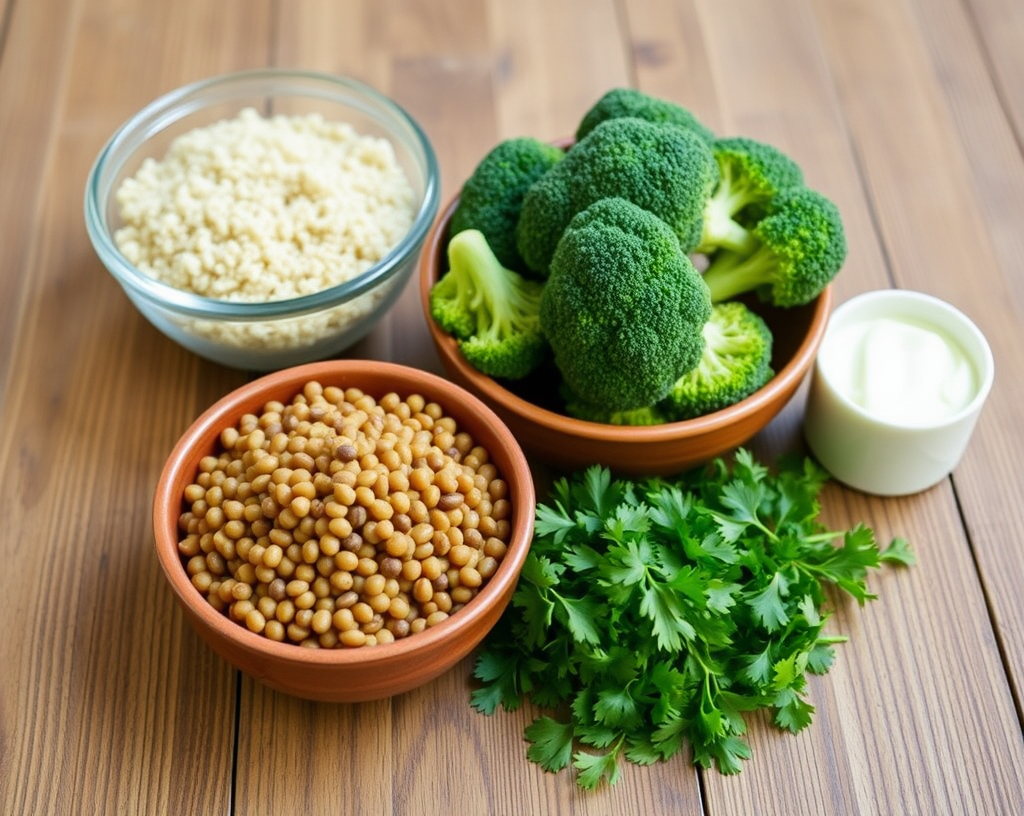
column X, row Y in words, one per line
column 271, row 334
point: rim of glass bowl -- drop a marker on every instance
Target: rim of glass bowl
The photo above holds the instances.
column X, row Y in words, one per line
column 175, row 105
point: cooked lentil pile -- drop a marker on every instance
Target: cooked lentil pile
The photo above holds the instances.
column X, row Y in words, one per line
column 339, row 520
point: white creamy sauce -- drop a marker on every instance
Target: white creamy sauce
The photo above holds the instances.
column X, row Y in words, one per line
column 900, row 371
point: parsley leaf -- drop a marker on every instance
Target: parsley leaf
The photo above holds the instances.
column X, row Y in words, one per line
column 595, row 768
column 655, row 614
column 617, row 708
column 769, row 605
column 550, row 743
column 898, row 552
column 792, row 712
column 498, row 672
column 581, row 616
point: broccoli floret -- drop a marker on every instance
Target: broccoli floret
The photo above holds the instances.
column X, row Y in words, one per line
column 623, row 307
column 547, row 209
column 736, row 362
column 491, row 311
column 492, row 196
column 647, row 415
column 801, row 246
column 664, row 169
column 751, row 173
column 621, row 102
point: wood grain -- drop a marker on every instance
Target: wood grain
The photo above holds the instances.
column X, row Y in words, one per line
column 1000, row 27
column 109, row 704
column 30, row 107
column 908, row 114
column 986, row 108
column 948, row 233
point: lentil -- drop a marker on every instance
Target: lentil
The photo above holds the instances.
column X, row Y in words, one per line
column 340, row 521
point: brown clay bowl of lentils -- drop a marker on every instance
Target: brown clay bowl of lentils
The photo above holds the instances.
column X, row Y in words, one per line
column 347, row 530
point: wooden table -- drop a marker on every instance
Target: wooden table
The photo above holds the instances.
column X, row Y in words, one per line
column 910, row 115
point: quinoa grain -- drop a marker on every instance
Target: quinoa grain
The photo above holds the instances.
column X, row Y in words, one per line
column 255, row 209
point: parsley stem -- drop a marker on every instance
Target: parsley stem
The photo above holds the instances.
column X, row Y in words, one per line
column 753, row 521
column 813, row 570
column 768, row 532
column 709, row 675
column 820, row 538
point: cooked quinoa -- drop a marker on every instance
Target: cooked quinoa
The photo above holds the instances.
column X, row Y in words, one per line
column 265, row 208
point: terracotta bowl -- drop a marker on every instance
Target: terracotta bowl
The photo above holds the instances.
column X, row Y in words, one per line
column 368, row 672
column 531, row 409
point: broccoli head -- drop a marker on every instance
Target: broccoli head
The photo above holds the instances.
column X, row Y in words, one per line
column 735, row 363
column 751, row 174
column 493, row 195
column 800, row 247
column 662, row 168
column 621, row 102
column 623, row 308
column 647, row 415
column 491, row 311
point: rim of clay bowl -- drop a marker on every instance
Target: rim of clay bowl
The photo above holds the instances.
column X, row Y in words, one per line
column 205, row 430
column 786, row 379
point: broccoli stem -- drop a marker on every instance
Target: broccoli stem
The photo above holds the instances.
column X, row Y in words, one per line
column 721, row 230
column 472, row 253
column 500, row 304
column 732, row 274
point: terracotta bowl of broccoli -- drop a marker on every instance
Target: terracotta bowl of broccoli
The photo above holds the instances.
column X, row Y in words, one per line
column 535, row 411
column 645, row 295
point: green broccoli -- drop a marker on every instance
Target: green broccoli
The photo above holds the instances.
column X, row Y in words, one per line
column 620, row 102
column 491, row 311
column 647, row 415
column 737, row 360
column 493, row 195
column 752, row 174
column 801, row 246
column 664, row 169
column 623, row 307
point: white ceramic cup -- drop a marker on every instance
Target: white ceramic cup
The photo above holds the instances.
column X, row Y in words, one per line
column 912, row 443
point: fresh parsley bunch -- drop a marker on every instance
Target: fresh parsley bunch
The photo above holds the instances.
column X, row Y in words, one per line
column 655, row 614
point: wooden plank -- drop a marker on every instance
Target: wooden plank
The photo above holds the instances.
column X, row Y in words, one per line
column 670, row 57
column 983, row 98
column 488, row 771
column 955, row 234
column 299, row 756
column 554, row 61
column 426, row 752
column 1000, row 26
column 773, row 71
column 108, row 702
column 25, row 33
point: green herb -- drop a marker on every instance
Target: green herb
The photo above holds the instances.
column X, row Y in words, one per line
column 654, row 615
